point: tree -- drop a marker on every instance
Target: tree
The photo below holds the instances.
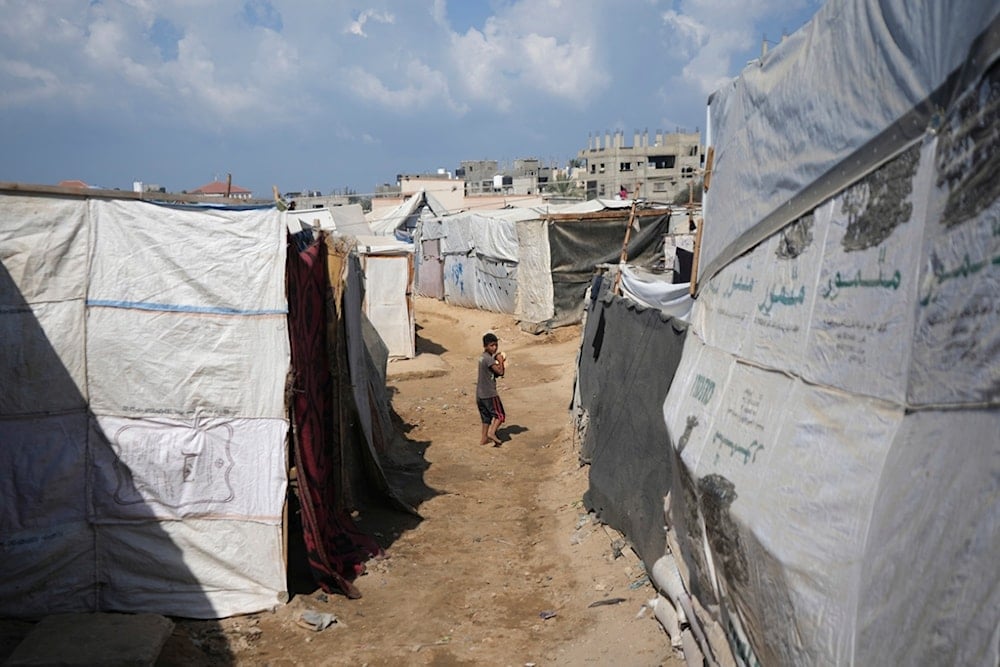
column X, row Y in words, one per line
column 564, row 187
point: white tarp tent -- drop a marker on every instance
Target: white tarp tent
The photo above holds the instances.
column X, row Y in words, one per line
column 480, row 258
column 388, row 300
column 836, row 413
column 535, row 263
column 131, row 483
column 402, row 219
column 346, row 220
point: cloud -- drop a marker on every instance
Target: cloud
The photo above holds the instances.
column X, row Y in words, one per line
column 25, row 84
column 519, row 76
column 345, row 134
column 529, row 48
column 357, row 27
column 711, row 35
column 421, row 88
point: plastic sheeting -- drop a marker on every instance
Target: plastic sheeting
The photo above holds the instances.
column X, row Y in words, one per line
column 387, row 301
column 628, row 474
column 835, row 415
column 346, row 220
column 534, row 288
column 656, row 291
column 481, row 256
column 801, row 123
column 406, row 216
column 578, row 245
column 146, row 445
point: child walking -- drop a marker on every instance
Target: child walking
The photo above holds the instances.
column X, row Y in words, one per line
column 491, row 366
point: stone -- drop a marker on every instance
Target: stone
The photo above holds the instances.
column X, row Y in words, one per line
column 110, row 640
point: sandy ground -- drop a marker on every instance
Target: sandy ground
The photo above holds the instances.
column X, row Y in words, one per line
column 505, row 566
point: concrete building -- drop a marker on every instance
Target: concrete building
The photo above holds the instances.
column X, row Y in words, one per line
column 314, row 199
column 478, row 175
column 527, row 176
column 657, row 171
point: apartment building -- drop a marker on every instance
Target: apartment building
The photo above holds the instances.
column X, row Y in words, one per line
column 657, row 170
column 527, row 176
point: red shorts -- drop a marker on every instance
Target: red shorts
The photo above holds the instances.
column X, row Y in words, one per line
column 490, row 409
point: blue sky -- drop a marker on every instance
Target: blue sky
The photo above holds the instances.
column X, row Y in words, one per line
column 326, row 94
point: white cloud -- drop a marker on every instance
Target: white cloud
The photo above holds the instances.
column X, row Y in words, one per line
column 711, row 34
column 530, row 48
column 357, row 27
column 421, row 88
column 546, row 71
column 24, row 84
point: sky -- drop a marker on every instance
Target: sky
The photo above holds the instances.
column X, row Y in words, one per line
column 331, row 95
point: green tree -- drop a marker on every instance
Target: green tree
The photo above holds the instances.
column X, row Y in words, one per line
column 564, row 187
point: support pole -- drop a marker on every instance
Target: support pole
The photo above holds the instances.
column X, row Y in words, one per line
column 624, row 254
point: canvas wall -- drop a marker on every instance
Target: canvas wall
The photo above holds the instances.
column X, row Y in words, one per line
column 142, row 425
column 835, row 415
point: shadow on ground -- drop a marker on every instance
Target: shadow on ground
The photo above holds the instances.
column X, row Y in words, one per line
column 426, row 346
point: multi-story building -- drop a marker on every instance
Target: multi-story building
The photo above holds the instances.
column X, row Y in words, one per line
column 657, row 171
column 528, row 176
column 478, row 176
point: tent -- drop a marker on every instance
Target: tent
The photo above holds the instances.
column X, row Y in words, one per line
column 348, row 220
column 530, row 262
column 559, row 252
column 473, row 256
column 146, row 352
column 624, row 338
column 833, row 421
column 400, row 221
column 387, row 265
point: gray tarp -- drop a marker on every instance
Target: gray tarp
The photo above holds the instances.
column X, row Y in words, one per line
column 628, row 357
column 855, row 86
column 577, row 246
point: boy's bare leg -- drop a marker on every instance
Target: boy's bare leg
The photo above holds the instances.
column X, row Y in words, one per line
column 491, row 432
column 485, row 437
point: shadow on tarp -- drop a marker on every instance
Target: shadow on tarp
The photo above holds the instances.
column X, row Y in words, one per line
column 62, row 550
column 357, row 482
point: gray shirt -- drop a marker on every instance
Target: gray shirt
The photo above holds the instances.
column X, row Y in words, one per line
column 486, row 385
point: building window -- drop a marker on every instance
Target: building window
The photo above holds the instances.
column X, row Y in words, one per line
column 624, row 166
column 693, row 151
column 600, row 190
column 687, row 172
column 601, row 168
column 662, row 161
column 593, row 168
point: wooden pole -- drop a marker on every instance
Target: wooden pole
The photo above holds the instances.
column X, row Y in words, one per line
column 707, row 179
column 624, row 254
column 705, row 183
column 694, row 258
column 229, row 184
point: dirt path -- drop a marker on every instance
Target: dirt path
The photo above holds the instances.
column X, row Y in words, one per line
column 505, row 564
column 505, row 540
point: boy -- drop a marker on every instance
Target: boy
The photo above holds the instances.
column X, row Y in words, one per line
column 491, row 366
